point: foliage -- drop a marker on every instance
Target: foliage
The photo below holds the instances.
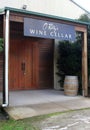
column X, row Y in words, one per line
column 84, row 18
column 1, row 44
column 69, row 59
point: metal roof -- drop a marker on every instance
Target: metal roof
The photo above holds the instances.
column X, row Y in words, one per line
column 43, row 15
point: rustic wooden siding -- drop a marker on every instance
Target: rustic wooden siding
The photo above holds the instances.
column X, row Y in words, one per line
column 46, row 48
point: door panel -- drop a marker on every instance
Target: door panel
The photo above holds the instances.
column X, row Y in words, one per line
column 46, row 49
column 30, row 64
column 20, row 60
column 20, row 65
column 28, row 49
column 13, row 66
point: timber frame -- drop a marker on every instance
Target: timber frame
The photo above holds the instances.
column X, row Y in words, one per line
column 17, row 15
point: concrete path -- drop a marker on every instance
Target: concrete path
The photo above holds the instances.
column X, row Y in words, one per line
column 26, row 104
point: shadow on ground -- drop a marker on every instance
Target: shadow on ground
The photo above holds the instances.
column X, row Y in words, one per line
column 3, row 114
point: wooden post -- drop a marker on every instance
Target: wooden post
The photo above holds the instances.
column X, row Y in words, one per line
column 84, row 65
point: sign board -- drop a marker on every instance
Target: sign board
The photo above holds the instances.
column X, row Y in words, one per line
column 47, row 29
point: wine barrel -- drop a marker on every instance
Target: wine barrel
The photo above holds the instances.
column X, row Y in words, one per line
column 71, row 85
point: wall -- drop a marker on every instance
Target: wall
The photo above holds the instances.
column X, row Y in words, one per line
column 62, row 8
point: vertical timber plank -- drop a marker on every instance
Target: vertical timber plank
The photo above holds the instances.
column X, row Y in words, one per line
column 84, row 65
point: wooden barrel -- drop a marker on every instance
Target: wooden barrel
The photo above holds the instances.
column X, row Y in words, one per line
column 71, row 85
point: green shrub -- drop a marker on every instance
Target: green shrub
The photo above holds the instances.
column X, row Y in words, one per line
column 1, row 44
column 70, row 56
column 69, row 60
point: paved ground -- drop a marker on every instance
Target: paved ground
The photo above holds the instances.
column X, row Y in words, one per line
column 32, row 103
column 32, row 97
column 73, row 120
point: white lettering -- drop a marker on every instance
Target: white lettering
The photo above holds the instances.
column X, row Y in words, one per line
column 32, row 31
column 45, row 26
column 58, row 35
column 50, row 26
column 70, row 36
column 66, row 36
column 62, row 36
column 52, row 34
column 40, row 32
column 45, row 33
column 37, row 32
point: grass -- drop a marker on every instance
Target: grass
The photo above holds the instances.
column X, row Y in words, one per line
column 24, row 124
column 17, row 125
column 28, row 123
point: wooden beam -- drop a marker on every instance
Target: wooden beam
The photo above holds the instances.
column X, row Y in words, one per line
column 84, row 65
column 81, row 28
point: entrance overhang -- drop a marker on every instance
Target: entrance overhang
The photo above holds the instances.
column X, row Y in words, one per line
column 16, row 15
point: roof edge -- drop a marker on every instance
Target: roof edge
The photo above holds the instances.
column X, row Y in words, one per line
column 45, row 15
column 2, row 11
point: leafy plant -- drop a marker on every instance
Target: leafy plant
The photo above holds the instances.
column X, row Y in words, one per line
column 1, row 44
column 69, row 59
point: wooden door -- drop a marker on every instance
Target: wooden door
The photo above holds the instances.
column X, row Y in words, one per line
column 21, row 65
column 30, row 64
column 25, row 59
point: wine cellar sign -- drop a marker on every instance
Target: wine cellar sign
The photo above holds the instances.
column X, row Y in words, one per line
column 47, row 29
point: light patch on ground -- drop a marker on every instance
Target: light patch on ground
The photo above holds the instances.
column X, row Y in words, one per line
column 20, row 112
column 84, row 119
column 59, row 128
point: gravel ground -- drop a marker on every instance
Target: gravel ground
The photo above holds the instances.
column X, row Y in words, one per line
column 73, row 120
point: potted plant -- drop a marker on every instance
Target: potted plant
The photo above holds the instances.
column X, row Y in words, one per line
column 69, row 65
